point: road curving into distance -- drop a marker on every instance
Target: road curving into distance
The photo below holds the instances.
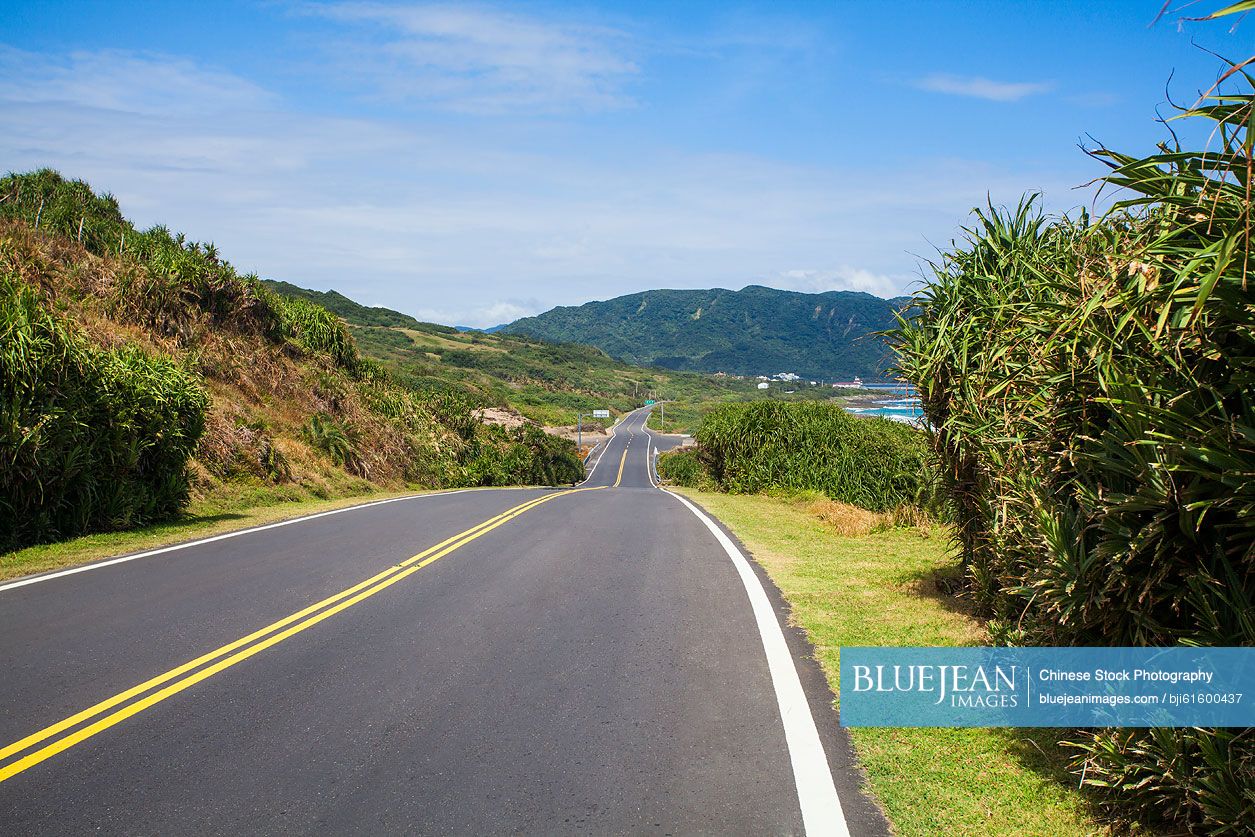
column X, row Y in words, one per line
column 600, row 658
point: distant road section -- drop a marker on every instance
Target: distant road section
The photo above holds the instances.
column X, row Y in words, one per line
column 599, row 658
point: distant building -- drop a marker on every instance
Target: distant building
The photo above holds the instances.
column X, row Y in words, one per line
column 857, row 383
column 764, row 385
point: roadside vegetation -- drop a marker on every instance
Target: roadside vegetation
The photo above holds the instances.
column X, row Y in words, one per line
column 139, row 370
column 1087, row 385
column 686, row 414
column 1089, row 388
column 239, row 507
column 770, row 445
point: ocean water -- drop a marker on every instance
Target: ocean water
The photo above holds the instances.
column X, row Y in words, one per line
column 900, row 403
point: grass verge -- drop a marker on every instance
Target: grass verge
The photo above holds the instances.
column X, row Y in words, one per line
column 239, row 508
column 879, row 589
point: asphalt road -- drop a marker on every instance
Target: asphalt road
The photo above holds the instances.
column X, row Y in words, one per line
column 597, row 660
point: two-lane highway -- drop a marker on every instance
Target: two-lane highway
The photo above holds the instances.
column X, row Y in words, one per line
column 592, row 659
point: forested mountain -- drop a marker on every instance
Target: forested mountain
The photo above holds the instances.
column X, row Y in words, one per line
column 547, row 382
column 753, row 331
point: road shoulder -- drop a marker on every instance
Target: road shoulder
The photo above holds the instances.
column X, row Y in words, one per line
column 879, row 589
column 863, row 815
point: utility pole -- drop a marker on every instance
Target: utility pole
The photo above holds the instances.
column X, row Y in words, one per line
column 579, row 429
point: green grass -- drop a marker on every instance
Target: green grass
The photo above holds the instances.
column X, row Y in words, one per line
column 237, row 507
column 879, row 589
column 682, row 416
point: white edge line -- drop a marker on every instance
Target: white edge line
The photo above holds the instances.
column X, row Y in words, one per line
column 614, row 431
column 35, row 579
column 655, row 479
column 816, row 792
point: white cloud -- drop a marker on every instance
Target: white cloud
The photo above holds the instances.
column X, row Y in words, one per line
column 505, row 312
column 484, row 316
column 468, row 226
column 844, row 278
column 978, row 87
column 131, row 82
column 480, row 59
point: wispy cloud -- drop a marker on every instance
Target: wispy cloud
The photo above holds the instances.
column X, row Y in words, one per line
column 844, row 278
column 978, row 87
column 468, row 226
column 147, row 83
column 481, row 59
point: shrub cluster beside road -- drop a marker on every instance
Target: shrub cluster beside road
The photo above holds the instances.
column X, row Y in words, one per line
column 1089, row 389
column 743, row 448
column 1087, row 385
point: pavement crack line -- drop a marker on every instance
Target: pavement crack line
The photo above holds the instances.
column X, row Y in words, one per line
column 205, row 666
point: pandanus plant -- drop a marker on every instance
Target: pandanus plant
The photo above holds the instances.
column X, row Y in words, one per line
column 1089, row 385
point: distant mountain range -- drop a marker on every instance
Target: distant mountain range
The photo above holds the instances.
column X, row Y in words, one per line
column 753, row 331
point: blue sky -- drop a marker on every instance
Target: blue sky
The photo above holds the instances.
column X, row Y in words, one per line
column 473, row 163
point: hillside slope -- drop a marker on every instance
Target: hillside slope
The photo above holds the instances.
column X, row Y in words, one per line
column 544, row 381
column 752, row 331
column 351, row 311
column 138, row 369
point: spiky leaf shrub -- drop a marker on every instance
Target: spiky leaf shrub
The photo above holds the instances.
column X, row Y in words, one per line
column 683, row 467
column 874, row 463
column 1091, row 389
column 91, row 440
column 316, row 329
column 523, row 455
column 69, row 208
column 333, row 439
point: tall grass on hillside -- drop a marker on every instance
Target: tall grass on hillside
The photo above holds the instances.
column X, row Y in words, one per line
column 875, row 463
column 292, row 399
column 91, row 439
column 167, row 283
column 1091, row 385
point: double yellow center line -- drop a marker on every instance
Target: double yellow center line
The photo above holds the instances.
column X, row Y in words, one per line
column 191, row 673
column 622, row 462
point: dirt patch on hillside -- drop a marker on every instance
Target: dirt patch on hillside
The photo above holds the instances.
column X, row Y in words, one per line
column 505, row 418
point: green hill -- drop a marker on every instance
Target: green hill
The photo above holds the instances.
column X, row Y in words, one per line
column 354, row 312
column 753, row 331
column 545, row 381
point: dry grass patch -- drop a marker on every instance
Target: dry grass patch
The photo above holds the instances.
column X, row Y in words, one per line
column 845, row 519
